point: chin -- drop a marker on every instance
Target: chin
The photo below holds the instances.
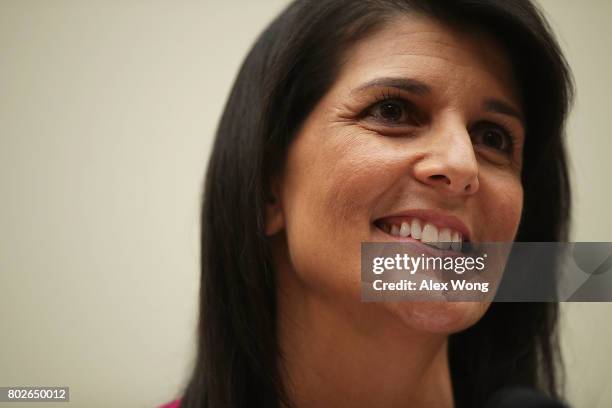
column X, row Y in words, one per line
column 438, row 317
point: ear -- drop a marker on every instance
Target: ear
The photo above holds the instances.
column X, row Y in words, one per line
column 275, row 219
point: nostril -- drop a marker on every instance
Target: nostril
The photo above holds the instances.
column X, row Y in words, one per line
column 440, row 177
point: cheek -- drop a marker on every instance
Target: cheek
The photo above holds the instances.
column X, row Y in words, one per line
column 502, row 205
column 332, row 183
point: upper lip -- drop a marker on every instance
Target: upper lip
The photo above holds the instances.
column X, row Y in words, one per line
column 437, row 218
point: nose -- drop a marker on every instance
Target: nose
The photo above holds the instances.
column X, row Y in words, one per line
column 449, row 163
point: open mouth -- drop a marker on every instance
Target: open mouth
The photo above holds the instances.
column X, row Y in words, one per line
column 440, row 237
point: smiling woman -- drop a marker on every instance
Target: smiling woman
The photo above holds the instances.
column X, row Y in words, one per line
column 377, row 120
column 432, row 155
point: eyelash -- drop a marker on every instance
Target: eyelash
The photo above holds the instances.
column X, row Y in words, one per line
column 392, row 95
column 511, row 138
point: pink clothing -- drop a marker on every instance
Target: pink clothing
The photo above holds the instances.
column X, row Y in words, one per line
column 173, row 404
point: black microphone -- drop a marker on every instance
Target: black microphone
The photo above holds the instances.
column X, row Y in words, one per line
column 522, row 397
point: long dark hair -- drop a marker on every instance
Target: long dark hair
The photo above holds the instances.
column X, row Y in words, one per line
column 290, row 67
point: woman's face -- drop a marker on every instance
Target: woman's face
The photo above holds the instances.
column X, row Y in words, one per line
column 422, row 126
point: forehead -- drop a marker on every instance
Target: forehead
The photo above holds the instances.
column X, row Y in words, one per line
column 420, row 47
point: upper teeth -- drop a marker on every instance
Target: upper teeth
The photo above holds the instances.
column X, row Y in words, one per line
column 440, row 237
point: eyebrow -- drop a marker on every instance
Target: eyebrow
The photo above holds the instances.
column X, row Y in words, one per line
column 405, row 84
column 497, row 106
column 420, row 88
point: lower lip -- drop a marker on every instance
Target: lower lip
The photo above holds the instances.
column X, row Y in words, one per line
column 424, row 248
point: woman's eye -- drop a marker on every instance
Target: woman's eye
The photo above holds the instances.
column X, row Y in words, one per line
column 492, row 136
column 392, row 111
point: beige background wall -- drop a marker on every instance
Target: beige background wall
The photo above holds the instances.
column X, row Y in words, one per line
column 107, row 109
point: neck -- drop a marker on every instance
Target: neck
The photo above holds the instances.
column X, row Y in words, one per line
column 355, row 354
